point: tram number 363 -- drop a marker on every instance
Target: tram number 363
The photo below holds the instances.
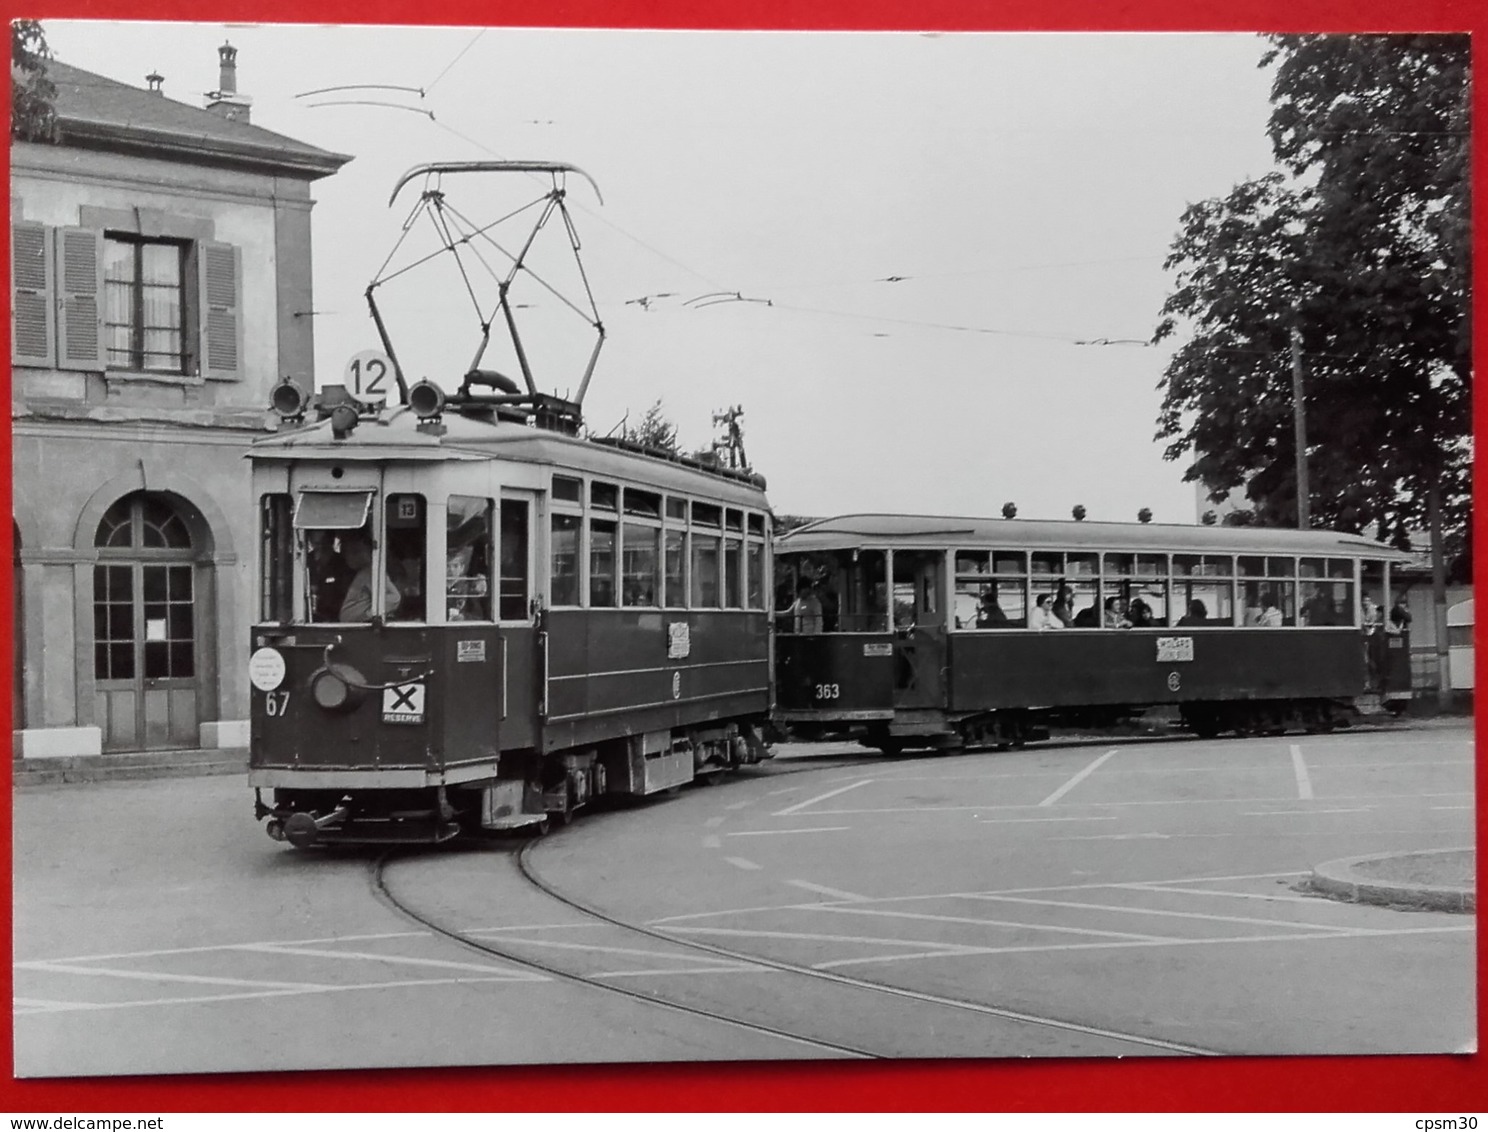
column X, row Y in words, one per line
column 827, row 691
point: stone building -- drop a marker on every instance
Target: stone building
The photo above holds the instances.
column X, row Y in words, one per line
column 160, row 286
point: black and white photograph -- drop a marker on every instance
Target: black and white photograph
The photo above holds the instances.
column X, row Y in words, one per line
column 592, row 547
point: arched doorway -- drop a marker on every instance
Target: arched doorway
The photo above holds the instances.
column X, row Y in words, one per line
column 147, row 640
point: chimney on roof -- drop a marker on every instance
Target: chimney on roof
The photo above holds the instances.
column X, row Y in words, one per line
column 225, row 101
column 154, row 79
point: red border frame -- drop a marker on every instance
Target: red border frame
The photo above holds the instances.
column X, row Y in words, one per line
column 1299, row 1084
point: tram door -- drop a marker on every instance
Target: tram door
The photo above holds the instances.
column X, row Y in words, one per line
column 515, row 614
column 919, row 629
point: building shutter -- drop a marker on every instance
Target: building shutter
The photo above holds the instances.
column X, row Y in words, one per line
column 80, row 302
column 31, row 309
column 219, row 268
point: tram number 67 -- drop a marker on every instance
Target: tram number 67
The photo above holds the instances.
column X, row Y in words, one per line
column 276, row 703
column 827, row 691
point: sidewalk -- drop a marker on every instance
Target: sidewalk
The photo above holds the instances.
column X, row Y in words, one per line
column 128, row 766
column 1443, row 880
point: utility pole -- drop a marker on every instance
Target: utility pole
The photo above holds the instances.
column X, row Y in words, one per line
column 1299, row 424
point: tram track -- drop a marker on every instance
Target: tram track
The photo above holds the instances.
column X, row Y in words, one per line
column 934, row 1008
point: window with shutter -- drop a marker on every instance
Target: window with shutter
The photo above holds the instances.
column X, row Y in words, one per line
column 221, row 315
column 80, row 269
column 144, row 303
column 31, row 331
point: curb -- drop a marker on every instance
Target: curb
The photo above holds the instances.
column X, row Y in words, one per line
column 131, row 767
column 1347, row 878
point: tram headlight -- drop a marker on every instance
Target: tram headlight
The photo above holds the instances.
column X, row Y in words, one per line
column 337, row 688
column 426, row 400
column 289, row 400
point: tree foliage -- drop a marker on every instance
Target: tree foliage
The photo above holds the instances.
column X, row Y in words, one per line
column 654, row 431
column 32, row 116
column 1361, row 246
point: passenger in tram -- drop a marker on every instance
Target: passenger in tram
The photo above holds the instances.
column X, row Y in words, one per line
column 1115, row 619
column 1198, row 614
column 356, row 548
column 1086, row 618
column 1271, row 617
column 329, row 576
column 1399, row 619
column 1043, row 614
column 989, row 613
column 1318, row 609
column 806, row 612
column 1139, row 613
column 1064, row 604
column 1373, row 621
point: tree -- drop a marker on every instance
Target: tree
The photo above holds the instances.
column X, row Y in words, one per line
column 654, row 431
column 1362, row 246
column 32, row 94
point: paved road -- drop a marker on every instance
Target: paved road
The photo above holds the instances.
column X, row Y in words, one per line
column 1075, row 900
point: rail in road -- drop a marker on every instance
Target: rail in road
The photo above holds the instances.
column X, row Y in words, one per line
column 812, row 1000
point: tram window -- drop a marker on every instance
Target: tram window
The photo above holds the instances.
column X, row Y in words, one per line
column 404, row 560
column 1009, row 562
column 972, row 568
column 327, row 575
column 568, row 490
column 676, row 569
column 1084, row 604
column 1048, row 562
column 733, row 574
column 646, row 504
column 515, row 586
column 707, row 515
column 1121, row 565
column 1341, row 568
column 1080, row 565
column 756, row 564
column 990, row 603
column 640, row 564
column 973, row 562
column 705, row 591
column 276, row 558
column 467, row 569
column 1268, row 604
column 1207, row 602
column 604, row 496
column 601, row 563
column 676, row 508
column 1250, row 566
column 734, row 520
column 1202, row 565
column 1372, row 596
column 756, row 524
column 563, row 578
column 1281, row 567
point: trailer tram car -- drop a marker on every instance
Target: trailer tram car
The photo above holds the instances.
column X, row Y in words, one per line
column 473, row 618
column 916, row 631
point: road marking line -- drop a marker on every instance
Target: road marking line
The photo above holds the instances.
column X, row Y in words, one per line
column 207, row 948
column 1223, row 892
column 408, row 960
column 1087, row 887
column 167, row 977
column 1079, row 778
column 835, row 893
column 1152, row 836
column 46, row 1005
column 778, row 832
column 987, row 923
column 738, row 805
column 786, row 790
column 205, row 998
column 1147, row 802
column 1209, row 916
column 1274, row 813
column 824, row 937
column 715, row 821
column 1299, row 767
column 1014, row 821
column 832, row 964
column 712, row 842
column 741, row 863
column 821, row 798
column 736, row 969
column 1453, row 807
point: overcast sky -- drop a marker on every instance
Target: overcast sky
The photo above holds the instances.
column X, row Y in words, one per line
column 1021, row 192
